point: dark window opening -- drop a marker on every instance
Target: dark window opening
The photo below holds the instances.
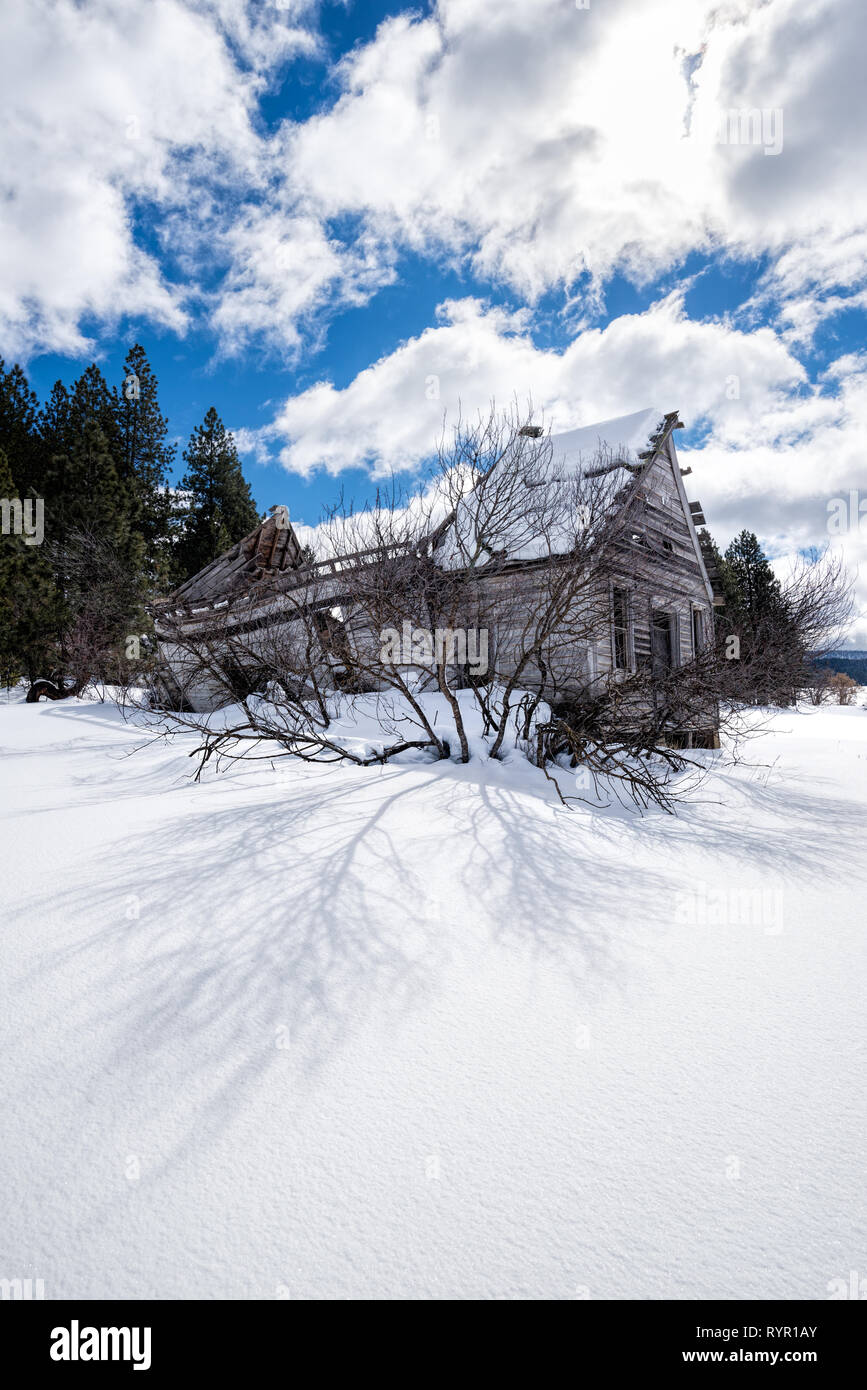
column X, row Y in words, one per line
column 698, row 630
column 620, row 629
column 661, row 645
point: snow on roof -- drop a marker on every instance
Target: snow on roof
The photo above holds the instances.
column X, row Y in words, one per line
column 620, row 438
column 602, row 445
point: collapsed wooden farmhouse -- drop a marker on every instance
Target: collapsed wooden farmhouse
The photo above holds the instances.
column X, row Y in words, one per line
column 657, row 610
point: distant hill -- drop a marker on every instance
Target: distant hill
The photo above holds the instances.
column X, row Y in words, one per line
column 853, row 663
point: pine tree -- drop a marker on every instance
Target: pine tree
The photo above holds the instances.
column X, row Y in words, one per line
column 81, row 441
column 217, row 509
column 19, row 438
column 751, row 586
column 99, row 461
column 31, row 610
column 91, row 403
column 144, row 460
column 89, row 513
column 772, row 656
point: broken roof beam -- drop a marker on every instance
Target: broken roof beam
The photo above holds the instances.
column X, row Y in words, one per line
column 613, row 467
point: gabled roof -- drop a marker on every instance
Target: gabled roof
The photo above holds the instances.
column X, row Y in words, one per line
column 622, row 438
column 617, row 448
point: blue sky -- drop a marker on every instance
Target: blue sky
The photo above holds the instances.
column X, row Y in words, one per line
column 339, row 222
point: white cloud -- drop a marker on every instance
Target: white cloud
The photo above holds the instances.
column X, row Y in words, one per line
column 284, row 269
column 105, row 105
column 529, row 142
column 264, row 33
column 515, row 141
column 788, row 477
column 538, row 142
column 389, row 416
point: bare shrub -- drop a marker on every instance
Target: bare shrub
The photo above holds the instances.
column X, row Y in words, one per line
column 843, row 688
column 818, row 687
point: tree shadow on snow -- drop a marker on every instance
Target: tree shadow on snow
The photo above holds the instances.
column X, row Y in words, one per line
column 234, row 929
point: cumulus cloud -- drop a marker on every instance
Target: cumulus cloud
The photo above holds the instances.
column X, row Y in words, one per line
column 284, row 270
column 545, row 146
column 797, row 476
column 542, row 147
column 390, row 414
column 109, row 107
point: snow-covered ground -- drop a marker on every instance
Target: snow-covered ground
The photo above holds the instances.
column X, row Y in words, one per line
column 419, row 1031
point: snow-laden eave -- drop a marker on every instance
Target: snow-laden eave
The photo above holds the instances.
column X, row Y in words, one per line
column 621, row 442
column 625, row 445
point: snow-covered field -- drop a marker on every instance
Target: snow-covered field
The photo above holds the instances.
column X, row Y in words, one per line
column 419, row 1031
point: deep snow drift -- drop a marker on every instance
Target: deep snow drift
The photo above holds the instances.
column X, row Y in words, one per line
column 419, row 1031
